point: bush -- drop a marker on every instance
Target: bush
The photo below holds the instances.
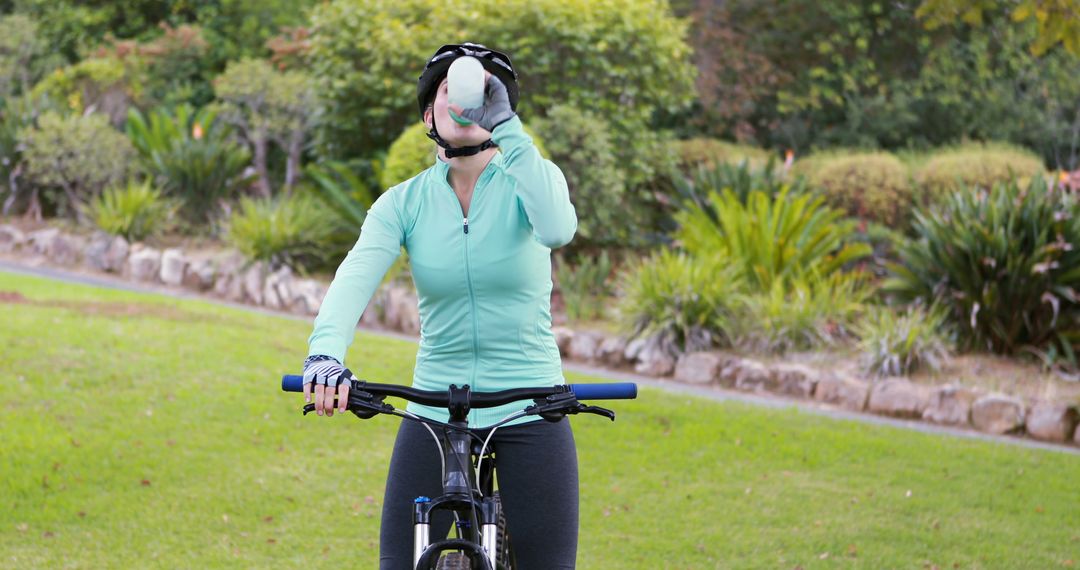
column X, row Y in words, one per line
column 1004, row 264
column 896, row 343
column 770, row 237
column 624, row 60
column 693, row 189
column 797, row 312
column 79, row 154
column 976, row 165
column 101, row 85
column 191, row 156
column 136, row 211
column 678, row 298
column 870, row 186
column 581, row 145
column 288, row 230
column 709, row 153
column 585, row 287
column 413, row 152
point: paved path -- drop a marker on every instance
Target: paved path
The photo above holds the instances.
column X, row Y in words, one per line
column 717, row 394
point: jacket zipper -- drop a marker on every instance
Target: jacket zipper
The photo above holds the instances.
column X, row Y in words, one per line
column 472, row 304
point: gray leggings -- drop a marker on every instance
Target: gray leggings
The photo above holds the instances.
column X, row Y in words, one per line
column 538, row 480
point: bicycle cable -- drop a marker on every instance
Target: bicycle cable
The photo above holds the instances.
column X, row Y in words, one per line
column 495, row 426
column 438, row 444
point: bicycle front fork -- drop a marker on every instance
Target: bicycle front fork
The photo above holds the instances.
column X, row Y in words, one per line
column 488, row 509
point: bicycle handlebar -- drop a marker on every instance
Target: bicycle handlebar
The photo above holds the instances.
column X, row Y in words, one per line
column 611, row 391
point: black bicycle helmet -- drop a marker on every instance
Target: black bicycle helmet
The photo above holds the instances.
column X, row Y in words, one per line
column 497, row 63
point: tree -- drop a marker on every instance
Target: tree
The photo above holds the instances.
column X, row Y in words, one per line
column 1058, row 20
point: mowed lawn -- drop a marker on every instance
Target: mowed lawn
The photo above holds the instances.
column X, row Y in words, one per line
column 139, row 431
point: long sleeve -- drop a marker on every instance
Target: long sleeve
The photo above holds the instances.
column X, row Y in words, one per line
column 357, row 278
column 541, row 186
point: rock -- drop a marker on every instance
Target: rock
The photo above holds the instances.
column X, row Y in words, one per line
column 653, row 360
column 563, row 336
column 584, row 346
column 950, row 404
column 793, row 380
column 173, row 265
column 745, row 374
column 308, row 295
column 375, row 312
column 252, row 281
column 228, row 283
column 700, row 367
column 144, row 264
column 11, row 238
column 58, row 247
column 842, row 390
column 997, row 413
column 1052, row 422
column 634, row 348
column 277, row 289
column 897, row 397
column 199, row 274
column 612, row 351
column 106, row 252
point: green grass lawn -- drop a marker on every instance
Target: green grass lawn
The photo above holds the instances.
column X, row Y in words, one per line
column 140, row 431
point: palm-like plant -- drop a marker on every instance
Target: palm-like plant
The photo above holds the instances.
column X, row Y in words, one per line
column 191, row 155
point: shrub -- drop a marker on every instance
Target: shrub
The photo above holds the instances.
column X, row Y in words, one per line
column 1004, row 264
column 79, row 154
column 413, row 152
column 709, row 153
column 797, row 312
column 895, row 343
column 102, row 85
column 624, row 60
column 693, row 189
column 581, row 145
column 136, row 211
column 770, row 237
column 585, row 287
column 287, row 230
column 976, row 165
column 190, row 154
column 871, row 186
column 678, row 298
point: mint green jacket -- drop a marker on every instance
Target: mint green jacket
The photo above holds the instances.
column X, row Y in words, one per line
column 484, row 282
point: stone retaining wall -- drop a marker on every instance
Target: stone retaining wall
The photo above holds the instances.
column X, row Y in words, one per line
column 228, row 276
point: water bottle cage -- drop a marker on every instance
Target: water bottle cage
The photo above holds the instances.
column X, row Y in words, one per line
column 557, row 406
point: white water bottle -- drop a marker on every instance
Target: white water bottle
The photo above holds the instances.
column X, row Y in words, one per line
column 465, row 85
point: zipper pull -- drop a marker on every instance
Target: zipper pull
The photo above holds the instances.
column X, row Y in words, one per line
column 466, row 225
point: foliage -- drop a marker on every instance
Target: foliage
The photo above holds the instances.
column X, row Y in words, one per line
column 190, row 154
column 622, row 60
column 1004, row 263
column 290, row 230
column 797, row 312
column 100, row 85
column 136, row 211
column 585, row 286
column 897, row 343
column 80, row 155
column 770, row 237
column 742, row 179
column 709, row 153
column 413, row 152
column 172, row 66
column 23, row 55
column 267, row 105
column 678, row 298
column 976, row 165
column 346, row 197
column 581, row 145
column 1058, row 20
column 869, row 186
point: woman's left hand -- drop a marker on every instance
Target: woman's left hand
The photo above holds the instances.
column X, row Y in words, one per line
column 496, row 109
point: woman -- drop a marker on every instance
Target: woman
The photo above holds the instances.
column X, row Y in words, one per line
column 479, row 227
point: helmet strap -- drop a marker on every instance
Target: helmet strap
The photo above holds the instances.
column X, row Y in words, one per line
column 452, row 152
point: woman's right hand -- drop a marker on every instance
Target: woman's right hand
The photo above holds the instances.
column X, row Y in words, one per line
column 328, row 376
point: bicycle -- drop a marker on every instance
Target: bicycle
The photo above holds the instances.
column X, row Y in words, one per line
column 468, row 468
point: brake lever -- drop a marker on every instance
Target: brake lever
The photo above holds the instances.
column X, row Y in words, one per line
column 557, row 406
column 363, row 405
